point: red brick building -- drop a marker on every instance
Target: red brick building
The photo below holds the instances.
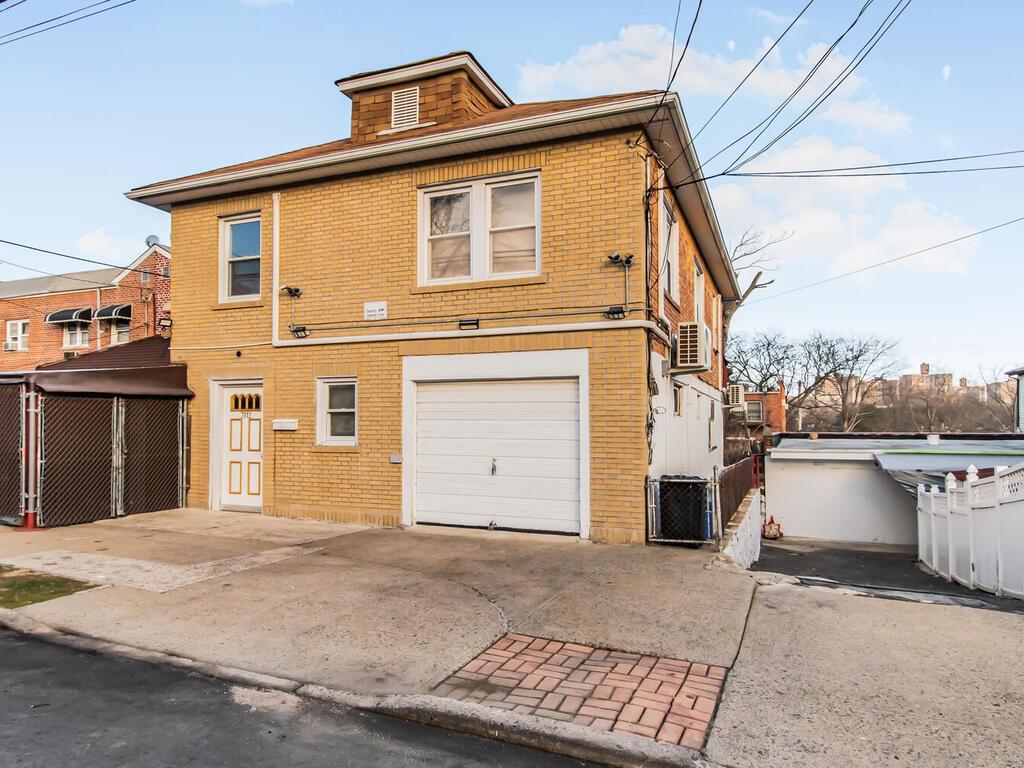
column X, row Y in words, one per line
column 43, row 319
column 766, row 412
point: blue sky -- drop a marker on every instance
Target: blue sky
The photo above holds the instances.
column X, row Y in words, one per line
column 158, row 89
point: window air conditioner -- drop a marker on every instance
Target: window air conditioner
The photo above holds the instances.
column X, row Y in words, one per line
column 736, row 395
column 694, row 352
column 10, row 346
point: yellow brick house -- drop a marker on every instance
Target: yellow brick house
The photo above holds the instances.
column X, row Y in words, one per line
column 463, row 314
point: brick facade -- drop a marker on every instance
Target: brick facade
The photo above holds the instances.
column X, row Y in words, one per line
column 350, row 240
column 150, row 301
column 773, row 412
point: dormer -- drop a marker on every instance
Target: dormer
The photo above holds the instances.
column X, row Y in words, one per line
column 443, row 91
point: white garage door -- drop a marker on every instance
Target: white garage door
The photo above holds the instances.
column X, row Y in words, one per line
column 503, row 453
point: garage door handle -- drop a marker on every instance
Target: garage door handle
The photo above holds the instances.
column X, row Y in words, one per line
column 494, row 467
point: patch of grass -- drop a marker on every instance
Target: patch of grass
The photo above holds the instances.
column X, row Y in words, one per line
column 20, row 587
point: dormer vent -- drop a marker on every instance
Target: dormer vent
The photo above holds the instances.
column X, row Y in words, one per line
column 405, row 107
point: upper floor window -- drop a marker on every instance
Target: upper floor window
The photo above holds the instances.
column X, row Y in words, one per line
column 698, row 293
column 144, row 276
column 76, row 335
column 405, row 108
column 336, row 411
column 240, row 257
column 669, row 249
column 480, row 230
column 17, row 336
column 120, row 332
column 755, row 410
column 166, row 272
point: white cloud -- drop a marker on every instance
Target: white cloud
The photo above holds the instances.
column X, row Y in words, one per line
column 638, row 59
column 774, row 18
column 868, row 116
column 946, row 72
column 102, row 246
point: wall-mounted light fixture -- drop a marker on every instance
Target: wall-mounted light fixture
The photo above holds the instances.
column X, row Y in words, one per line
column 164, row 322
column 616, row 312
column 299, row 331
column 469, row 324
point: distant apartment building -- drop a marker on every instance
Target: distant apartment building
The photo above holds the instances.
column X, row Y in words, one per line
column 59, row 316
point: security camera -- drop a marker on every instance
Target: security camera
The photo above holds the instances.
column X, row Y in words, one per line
column 615, row 258
column 628, row 261
column 291, row 291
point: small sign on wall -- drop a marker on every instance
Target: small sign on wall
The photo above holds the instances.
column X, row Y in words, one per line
column 375, row 310
column 285, row 425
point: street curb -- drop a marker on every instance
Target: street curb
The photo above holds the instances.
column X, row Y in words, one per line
column 622, row 750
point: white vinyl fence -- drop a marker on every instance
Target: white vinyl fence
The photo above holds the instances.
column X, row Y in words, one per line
column 973, row 532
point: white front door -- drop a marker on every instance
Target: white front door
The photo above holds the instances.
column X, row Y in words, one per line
column 241, row 471
column 502, row 453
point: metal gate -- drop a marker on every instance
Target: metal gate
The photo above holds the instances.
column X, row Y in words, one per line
column 77, row 446
column 11, row 452
column 107, row 456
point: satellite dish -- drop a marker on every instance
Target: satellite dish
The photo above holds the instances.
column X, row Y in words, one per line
column 152, row 240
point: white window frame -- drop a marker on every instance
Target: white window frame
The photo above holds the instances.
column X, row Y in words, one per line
column 225, row 256
column 81, row 329
column 760, row 408
column 21, row 334
column 115, row 331
column 698, row 293
column 479, row 228
column 669, row 274
column 144, row 276
column 323, row 432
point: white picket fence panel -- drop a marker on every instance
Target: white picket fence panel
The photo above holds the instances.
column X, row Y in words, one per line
column 973, row 532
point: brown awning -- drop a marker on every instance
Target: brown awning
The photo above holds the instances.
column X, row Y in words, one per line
column 154, row 381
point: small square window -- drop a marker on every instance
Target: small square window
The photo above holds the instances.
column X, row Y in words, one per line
column 755, row 410
column 336, row 411
column 120, row 332
column 144, row 276
column 166, row 271
column 17, row 336
column 76, row 335
column 240, row 258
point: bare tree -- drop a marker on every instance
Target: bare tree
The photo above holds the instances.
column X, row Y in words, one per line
column 859, row 366
column 1000, row 398
column 752, row 252
column 761, row 359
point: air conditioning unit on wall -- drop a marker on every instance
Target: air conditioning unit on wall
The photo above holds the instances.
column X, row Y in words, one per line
column 694, row 351
column 10, row 346
column 736, row 395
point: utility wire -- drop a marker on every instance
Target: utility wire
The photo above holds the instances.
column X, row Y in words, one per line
column 888, row 165
column 64, row 23
column 55, row 18
column 53, row 274
column 889, row 261
column 837, row 81
column 675, row 72
column 803, row 83
column 75, row 258
column 794, row 175
column 8, row 6
column 746, row 77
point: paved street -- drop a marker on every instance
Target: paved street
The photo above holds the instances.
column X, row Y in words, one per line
column 61, row 707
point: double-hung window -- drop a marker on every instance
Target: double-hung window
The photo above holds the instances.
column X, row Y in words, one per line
column 119, row 332
column 76, row 335
column 336, row 411
column 755, row 410
column 240, row 258
column 670, row 249
column 481, row 230
column 17, row 335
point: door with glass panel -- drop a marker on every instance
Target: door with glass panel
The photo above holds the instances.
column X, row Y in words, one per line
column 241, row 475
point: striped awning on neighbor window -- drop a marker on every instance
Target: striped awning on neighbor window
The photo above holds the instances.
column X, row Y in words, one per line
column 114, row 312
column 81, row 315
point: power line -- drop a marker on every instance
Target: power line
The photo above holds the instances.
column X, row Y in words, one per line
column 675, row 72
column 888, row 261
column 53, row 274
column 774, row 113
column 69, row 21
column 55, row 18
column 8, row 6
column 837, row 81
column 744, row 80
column 932, row 171
column 890, row 165
column 75, row 258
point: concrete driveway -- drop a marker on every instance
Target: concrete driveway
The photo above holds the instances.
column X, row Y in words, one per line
column 373, row 610
column 831, row 679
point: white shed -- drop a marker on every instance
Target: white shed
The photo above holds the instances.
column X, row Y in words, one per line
column 846, row 488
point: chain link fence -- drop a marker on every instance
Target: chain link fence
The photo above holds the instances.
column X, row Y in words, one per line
column 11, row 456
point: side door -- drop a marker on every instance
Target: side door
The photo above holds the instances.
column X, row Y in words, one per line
column 241, row 473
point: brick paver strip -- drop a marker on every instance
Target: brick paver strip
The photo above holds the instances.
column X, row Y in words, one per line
column 670, row 700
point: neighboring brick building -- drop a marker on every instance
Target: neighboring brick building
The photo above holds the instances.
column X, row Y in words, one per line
column 49, row 318
column 766, row 413
column 454, row 316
